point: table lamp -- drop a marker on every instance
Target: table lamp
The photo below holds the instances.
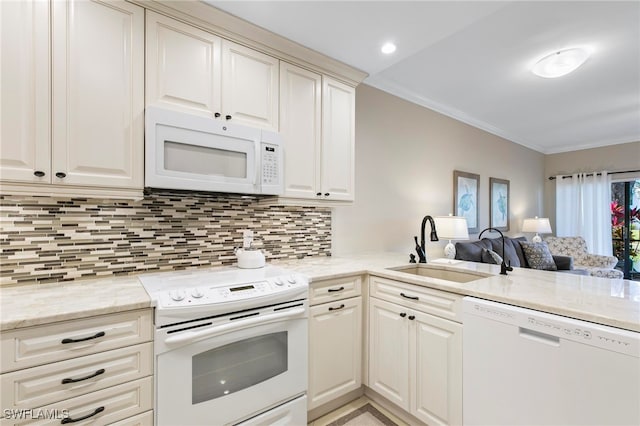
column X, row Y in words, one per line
column 451, row 228
column 538, row 225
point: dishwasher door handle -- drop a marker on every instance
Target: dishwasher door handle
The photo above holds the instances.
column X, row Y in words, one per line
column 536, row 336
column 193, row 336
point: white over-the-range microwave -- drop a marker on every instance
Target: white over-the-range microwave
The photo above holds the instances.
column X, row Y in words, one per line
column 189, row 152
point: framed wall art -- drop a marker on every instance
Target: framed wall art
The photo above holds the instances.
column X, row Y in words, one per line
column 466, row 187
column 499, row 204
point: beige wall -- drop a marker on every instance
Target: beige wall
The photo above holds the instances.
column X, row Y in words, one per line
column 610, row 158
column 405, row 157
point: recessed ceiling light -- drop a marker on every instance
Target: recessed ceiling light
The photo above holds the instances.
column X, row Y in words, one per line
column 388, row 48
column 561, row 62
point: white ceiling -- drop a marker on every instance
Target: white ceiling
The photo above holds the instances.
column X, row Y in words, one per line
column 471, row 60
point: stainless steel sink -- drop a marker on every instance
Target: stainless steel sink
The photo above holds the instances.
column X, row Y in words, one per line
column 441, row 274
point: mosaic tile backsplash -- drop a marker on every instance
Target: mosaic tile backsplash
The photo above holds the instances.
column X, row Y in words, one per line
column 59, row 239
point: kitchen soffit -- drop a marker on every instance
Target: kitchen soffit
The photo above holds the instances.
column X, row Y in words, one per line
column 471, row 60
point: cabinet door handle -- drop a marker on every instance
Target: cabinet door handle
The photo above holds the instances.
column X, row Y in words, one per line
column 79, row 419
column 412, row 317
column 228, row 117
column 332, row 290
column 338, row 308
column 318, row 194
column 38, row 173
column 61, row 175
column 403, row 314
column 95, row 336
column 409, row 297
column 90, row 376
column 216, row 115
column 326, row 194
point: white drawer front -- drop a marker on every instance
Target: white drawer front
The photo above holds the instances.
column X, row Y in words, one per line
column 329, row 290
column 28, row 347
column 144, row 419
column 109, row 405
column 435, row 302
column 46, row 384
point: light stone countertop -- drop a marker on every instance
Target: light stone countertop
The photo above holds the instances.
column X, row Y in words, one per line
column 610, row 302
column 603, row 301
column 35, row 304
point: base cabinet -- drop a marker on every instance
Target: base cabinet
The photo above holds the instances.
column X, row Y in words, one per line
column 335, row 341
column 415, row 359
column 96, row 370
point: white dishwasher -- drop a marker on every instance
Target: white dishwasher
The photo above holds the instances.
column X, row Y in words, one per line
column 524, row 367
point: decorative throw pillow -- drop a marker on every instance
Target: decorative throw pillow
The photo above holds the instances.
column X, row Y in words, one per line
column 490, row 256
column 538, row 256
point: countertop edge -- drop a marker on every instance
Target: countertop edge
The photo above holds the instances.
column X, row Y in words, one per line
column 492, row 287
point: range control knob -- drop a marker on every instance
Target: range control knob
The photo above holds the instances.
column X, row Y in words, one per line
column 197, row 293
column 278, row 281
column 177, row 295
column 291, row 279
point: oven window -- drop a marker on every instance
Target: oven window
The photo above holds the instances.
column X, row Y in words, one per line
column 237, row 366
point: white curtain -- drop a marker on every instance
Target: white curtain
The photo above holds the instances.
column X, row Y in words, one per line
column 583, row 208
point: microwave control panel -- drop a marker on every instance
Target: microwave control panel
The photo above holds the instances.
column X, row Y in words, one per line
column 270, row 164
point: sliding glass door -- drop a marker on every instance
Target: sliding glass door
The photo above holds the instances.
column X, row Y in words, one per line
column 625, row 221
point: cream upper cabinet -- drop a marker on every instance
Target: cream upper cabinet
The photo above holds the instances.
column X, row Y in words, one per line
column 183, row 66
column 79, row 126
column 98, row 93
column 317, row 115
column 198, row 72
column 250, row 84
column 338, row 140
column 300, row 127
column 25, row 140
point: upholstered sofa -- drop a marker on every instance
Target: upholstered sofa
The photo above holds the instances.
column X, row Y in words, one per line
column 597, row 265
column 478, row 251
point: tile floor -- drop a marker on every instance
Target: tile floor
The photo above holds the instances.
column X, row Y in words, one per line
column 353, row 405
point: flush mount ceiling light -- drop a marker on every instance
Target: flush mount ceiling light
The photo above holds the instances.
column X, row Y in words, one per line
column 388, row 48
column 561, row 62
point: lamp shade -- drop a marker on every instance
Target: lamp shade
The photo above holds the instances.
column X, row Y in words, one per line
column 452, row 227
column 538, row 225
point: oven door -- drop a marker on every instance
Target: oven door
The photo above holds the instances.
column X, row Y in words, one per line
column 232, row 376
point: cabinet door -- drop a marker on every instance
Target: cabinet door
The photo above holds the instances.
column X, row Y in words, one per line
column 300, row 115
column 183, row 66
column 338, row 140
column 249, row 86
column 335, row 350
column 389, row 351
column 24, row 78
column 436, row 368
column 98, row 93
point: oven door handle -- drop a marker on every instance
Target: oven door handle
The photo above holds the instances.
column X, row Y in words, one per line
column 192, row 336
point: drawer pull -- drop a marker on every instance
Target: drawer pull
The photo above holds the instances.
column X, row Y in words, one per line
column 90, row 376
column 95, row 336
column 332, row 290
column 409, row 297
column 79, row 419
column 403, row 314
column 338, row 308
column 412, row 317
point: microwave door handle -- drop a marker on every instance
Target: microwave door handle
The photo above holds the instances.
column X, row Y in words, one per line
column 193, row 336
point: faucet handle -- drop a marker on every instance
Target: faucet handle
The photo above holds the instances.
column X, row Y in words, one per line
column 412, row 258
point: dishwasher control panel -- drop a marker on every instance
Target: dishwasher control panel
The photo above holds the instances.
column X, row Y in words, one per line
column 555, row 327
